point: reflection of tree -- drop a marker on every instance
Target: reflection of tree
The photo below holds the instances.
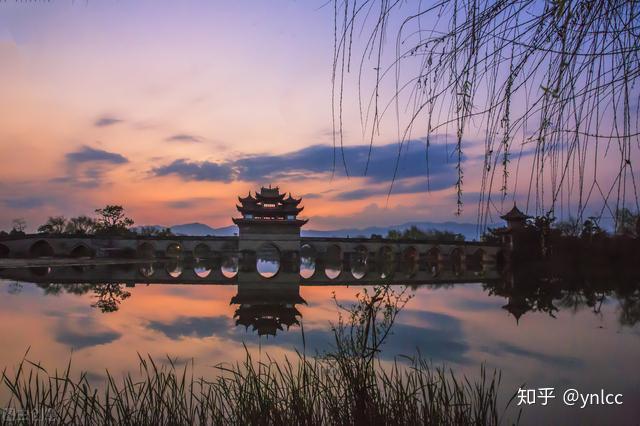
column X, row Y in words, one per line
column 525, row 298
column 577, row 299
column 629, row 308
column 54, row 289
column 15, row 287
column 109, row 295
column 435, row 286
column 549, row 286
column 307, row 263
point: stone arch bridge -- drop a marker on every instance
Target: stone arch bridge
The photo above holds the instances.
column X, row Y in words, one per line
column 273, row 259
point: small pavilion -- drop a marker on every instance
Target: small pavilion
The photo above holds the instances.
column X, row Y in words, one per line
column 515, row 219
column 269, row 212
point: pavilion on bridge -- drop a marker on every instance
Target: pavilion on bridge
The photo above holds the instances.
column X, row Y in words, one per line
column 269, row 212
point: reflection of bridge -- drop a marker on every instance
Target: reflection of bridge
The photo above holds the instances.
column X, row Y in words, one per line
column 265, row 305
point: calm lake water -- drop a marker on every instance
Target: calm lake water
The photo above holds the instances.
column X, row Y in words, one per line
column 561, row 340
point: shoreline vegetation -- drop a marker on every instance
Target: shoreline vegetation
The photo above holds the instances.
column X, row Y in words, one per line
column 348, row 384
column 303, row 391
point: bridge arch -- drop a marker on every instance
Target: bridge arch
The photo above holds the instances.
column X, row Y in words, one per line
column 202, row 251
column 146, row 250
column 146, row 270
column 230, row 264
column 268, row 260
column 359, row 262
column 203, row 268
column 40, row 271
column 173, row 250
column 41, row 248
column 386, row 262
column 475, row 260
column 433, row 261
column 333, row 261
column 174, row 268
column 4, row 251
column 456, row 257
column 308, row 256
column 81, row 250
column 410, row 261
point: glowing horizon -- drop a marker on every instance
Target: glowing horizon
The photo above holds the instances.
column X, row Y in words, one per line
column 174, row 109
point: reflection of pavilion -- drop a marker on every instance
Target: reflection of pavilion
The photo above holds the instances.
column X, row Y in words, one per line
column 517, row 306
column 267, row 308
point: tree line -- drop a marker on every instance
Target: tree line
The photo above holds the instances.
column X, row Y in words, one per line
column 109, row 220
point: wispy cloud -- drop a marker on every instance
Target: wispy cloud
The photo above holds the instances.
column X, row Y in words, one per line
column 86, row 166
column 183, row 137
column 198, row 171
column 106, row 120
column 87, row 154
column 188, row 203
column 24, row 202
column 435, row 183
column 413, row 162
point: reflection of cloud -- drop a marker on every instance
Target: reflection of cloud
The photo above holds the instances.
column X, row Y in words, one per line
column 318, row 160
column 191, row 327
column 500, row 349
column 183, row 137
column 89, row 333
column 440, row 338
column 479, row 305
column 106, row 120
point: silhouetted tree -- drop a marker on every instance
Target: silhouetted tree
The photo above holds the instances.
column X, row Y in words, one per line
column 569, row 227
column 490, row 237
column 54, row 225
column 591, row 229
column 155, row 232
column 626, row 222
column 18, row 226
column 81, row 225
column 415, row 233
column 112, row 221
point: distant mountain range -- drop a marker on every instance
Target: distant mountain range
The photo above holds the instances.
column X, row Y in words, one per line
column 469, row 230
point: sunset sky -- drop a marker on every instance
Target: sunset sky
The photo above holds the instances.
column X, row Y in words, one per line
column 172, row 109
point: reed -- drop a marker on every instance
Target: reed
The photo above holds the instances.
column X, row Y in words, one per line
column 302, row 391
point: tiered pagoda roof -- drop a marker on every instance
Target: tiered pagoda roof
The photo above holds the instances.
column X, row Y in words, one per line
column 267, row 319
column 514, row 214
column 269, row 204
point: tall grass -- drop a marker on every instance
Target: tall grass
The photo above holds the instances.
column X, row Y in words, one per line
column 300, row 391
